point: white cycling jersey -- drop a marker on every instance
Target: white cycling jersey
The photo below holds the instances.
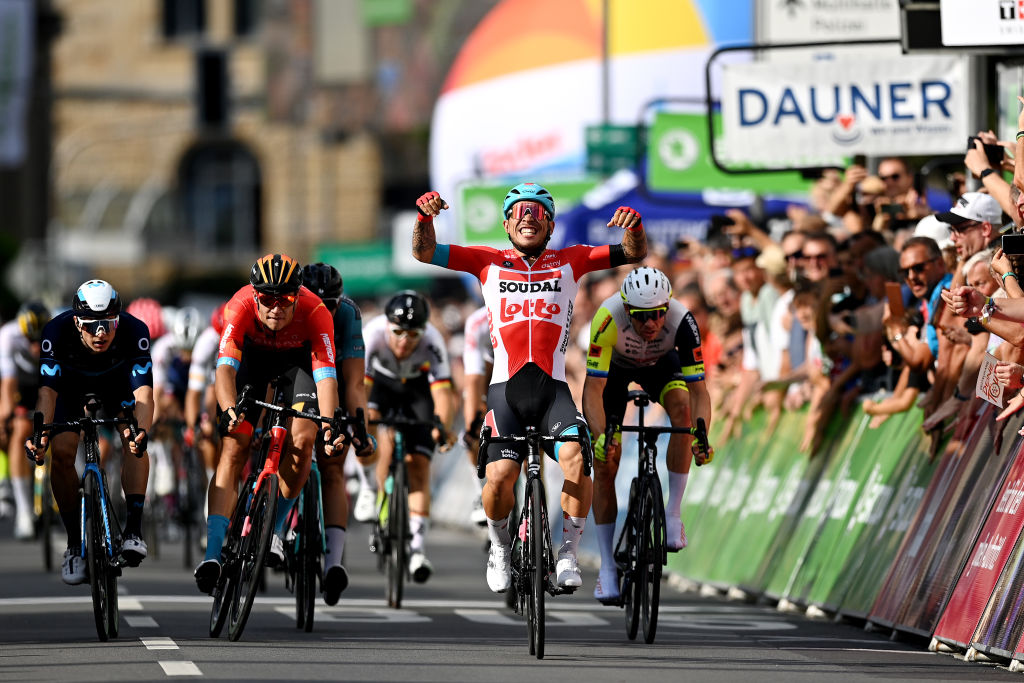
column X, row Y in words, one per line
column 202, row 369
column 430, row 357
column 477, row 353
column 16, row 359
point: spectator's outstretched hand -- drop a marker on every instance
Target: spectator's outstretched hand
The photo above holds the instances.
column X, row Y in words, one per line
column 966, row 302
column 1010, row 375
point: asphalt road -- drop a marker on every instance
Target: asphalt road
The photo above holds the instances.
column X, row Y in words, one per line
column 450, row 629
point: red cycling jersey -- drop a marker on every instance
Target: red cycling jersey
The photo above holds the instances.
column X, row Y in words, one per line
column 312, row 325
column 529, row 306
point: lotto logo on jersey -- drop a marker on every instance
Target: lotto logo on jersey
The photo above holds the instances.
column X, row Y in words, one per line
column 530, row 287
column 531, row 308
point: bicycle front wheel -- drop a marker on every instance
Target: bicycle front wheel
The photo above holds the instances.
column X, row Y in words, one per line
column 631, row 576
column 308, row 557
column 227, row 584
column 398, row 521
column 651, row 557
column 46, row 517
column 538, row 565
column 253, row 554
column 95, row 553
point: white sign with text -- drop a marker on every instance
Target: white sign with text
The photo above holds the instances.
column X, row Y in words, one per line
column 988, row 387
column 982, row 22
column 791, row 114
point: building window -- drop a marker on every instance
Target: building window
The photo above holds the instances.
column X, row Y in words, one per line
column 247, row 17
column 183, row 18
column 221, row 195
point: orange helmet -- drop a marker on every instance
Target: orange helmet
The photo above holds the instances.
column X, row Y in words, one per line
column 276, row 274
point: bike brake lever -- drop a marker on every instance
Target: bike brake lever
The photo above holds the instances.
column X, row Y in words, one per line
column 481, row 455
column 37, row 436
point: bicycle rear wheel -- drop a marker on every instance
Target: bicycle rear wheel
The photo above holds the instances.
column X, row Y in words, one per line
column 253, row 554
column 652, row 555
column 631, row 576
column 94, row 553
column 538, row 562
column 227, row 584
column 307, row 557
column 398, row 523
column 46, row 517
column 190, row 497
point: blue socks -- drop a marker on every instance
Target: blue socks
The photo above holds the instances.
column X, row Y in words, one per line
column 216, row 529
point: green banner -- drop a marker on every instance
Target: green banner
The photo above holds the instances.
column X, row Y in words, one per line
column 366, row 268
column 679, row 160
column 480, row 217
column 386, row 12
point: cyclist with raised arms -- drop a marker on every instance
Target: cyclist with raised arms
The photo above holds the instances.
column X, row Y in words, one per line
column 529, row 293
column 274, row 327
column 642, row 335
column 408, row 374
column 95, row 349
column 19, row 387
column 325, row 281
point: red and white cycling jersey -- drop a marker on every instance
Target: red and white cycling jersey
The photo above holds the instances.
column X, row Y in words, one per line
column 530, row 307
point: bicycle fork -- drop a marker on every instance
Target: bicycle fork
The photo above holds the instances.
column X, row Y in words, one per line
column 277, row 439
column 104, row 515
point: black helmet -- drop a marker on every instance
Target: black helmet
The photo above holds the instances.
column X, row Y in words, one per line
column 324, row 280
column 32, row 317
column 96, row 299
column 408, row 309
column 276, row 274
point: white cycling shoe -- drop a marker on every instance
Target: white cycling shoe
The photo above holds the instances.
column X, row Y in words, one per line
column 568, row 571
column 499, row 569
column 365, row 509
column 72, row 569
column 675, row 534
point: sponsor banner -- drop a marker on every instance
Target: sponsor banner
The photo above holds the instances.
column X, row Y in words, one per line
column 837, row 448
column 816, row 113
column 975, row 586
column 828, row 22
column 981, row 22
column 861, row 578
column 866, row 491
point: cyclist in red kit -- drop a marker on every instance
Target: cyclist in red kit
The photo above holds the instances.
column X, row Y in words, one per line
column 529, row 292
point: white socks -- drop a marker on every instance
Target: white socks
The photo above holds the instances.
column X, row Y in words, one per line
column 418, row 527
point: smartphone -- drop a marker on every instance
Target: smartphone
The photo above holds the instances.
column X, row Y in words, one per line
column 1013, row 245
column 993, row 152
column 720, row 222
column 860, row 160
column 893, row 209
column 894, row 292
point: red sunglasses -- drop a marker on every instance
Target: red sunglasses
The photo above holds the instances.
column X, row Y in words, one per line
column 535, row 209
column 274, row 301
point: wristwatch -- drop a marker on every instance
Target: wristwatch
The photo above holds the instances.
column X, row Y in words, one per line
column 986, row 172
column 896, row 337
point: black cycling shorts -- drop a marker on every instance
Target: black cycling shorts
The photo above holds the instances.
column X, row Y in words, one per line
column 410, row 399
column 654, row 380
column 529, row 397
column 294, row 370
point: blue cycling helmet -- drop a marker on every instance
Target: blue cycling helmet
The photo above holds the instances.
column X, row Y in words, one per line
column 531, row 191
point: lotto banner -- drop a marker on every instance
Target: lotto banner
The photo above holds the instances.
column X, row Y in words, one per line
column 861, row 577
column 974, row 589
column 866, row 489
column 836, row 452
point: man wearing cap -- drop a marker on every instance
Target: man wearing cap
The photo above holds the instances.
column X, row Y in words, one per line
column 974, row 222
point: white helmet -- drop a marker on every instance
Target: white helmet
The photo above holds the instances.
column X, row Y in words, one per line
column 188, row 323
column 646, row 287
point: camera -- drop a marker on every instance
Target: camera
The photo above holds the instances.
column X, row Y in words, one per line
column 993, row 152
column 1013, row 245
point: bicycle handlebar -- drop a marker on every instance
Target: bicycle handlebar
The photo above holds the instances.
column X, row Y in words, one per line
column 39, row 427
column 337, row 422
column 640, row 398
column 399, row 421
column 486, row 439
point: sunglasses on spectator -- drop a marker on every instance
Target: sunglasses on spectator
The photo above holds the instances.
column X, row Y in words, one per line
column 795, row 255
column 401, row 332
column 961, row 228
column 535, row 209
column 915, row 268
column 894, row 176
column 644, row 314
column 274, row 301
column 94, row 327
column 815, row 257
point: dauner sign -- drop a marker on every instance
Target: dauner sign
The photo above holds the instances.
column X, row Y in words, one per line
column 820, row 113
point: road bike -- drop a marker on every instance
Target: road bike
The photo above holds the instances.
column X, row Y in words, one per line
column 305, row 552
column 100, row 529
column 391, row 535
column 640, row 551
column 252, row 522
column 533, row 559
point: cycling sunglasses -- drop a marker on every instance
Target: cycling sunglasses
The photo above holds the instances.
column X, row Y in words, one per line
column 93, row 327
column 645, row 314
column 535, row 209
column 402, row 332
column 273, row 301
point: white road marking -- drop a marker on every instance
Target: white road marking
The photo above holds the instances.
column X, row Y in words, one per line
column 159, row 643
column 582, row 619
column 140, row 621
column 180, row 668
column 357, row 615
column 129, row 604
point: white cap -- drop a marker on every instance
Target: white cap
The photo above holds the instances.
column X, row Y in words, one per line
column 974, row 206
column 931, row 226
